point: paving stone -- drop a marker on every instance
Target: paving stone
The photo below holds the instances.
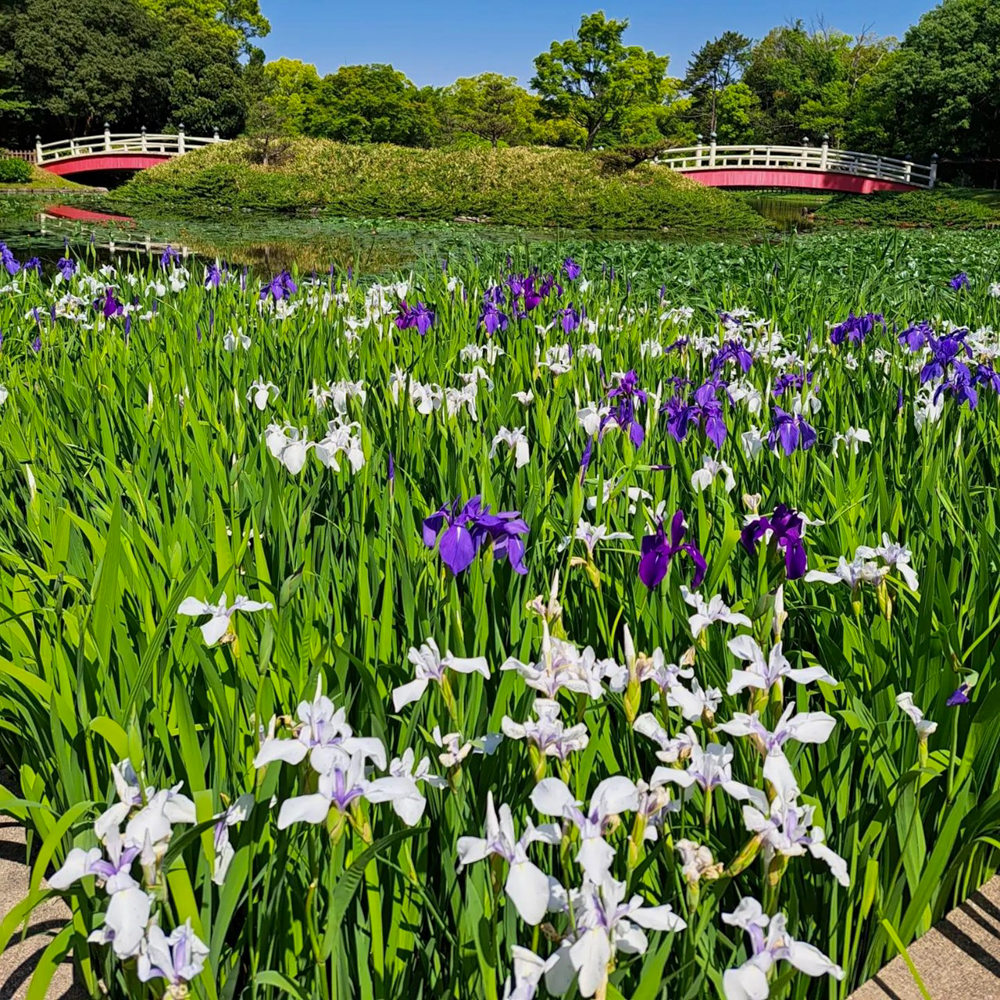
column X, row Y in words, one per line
column 18, row 961
column 958, row 958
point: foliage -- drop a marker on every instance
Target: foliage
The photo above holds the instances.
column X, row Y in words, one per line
column 943, row 207
column 813, row 80
column 14, row 171
column 135, row 475
column 516, row 186
column 491, row 107
column 594, row 79
column 716, row 66
column 947, row 97
column 376, row 103
column 168, row 64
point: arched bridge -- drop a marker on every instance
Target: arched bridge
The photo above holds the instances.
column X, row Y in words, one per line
column 115, row 151
column 812, row 168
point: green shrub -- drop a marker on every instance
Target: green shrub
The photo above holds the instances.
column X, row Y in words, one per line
column 522, row 186
column 14, row 171
column 910, row 208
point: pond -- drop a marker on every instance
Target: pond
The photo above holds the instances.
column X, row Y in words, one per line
column 267, row 243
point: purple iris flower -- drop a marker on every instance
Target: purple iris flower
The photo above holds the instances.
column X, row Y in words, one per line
column 281, row 286
column 732, row 350
column 790, row 380
column 960, row 281
column 791, row 431
column 8, row 259
column 856, row 328
column 469, row 527
column 420, row 317
column 570, row 318
column 128, row 326
column 658, row 550
column 169, row 256
column 586, row 457
column 627, row 393
column 571, row 269
column 213, row 276
column 67, row 267
column 679, row 344
column 703, row 410
column 392, row 473
column 492, row 319
column 36, row 344
column 899, row 401
column 34, row 264
column 109, row 305
column 917, row 336
column 946, row 351
column 784, row 529
column 960, row 696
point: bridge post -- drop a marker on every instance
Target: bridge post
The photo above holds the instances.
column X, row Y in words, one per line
column 711, row 150
column 805, row 152
column 142, row 138
column 38, row 149
column 180, row 138
column 824, row 154
column 697, row 154
column 107, row 137
column 908, row 167
column 215, row 135
column 934, row 170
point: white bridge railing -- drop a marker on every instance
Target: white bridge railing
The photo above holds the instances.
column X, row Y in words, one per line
column 816, row 159
column 121, row 142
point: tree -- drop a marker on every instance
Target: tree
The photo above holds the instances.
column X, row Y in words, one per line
column 374, row 103
column 718, row 64
column 594, row 79
column 811, row 82
column 205, row 89
column 81, row 64
column 946, row 84
column 490, row 106
column 240, row 20
column 291, row 87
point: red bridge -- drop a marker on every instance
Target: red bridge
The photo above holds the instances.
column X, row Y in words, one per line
column 115, row 151
column 811, row 168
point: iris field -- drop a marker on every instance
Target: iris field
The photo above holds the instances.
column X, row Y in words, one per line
column 580, row 620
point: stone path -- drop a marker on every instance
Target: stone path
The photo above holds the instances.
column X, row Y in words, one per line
column 958, row 958
column 18, row 962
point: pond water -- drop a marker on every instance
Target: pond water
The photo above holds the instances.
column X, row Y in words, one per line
column 269, row 243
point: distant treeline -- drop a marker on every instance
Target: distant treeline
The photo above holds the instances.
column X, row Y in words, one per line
column 67, row 68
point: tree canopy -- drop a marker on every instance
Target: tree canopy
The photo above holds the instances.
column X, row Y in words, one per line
column 65, row 69
column 595, row 80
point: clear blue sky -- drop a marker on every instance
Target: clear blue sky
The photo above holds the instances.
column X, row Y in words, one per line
column 435, row 41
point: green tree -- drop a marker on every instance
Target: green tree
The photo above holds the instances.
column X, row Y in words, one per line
column 291, row 87
column 812, row 82
column 241, row 20
column 718, row 64
column 595, row 79
column 205, row 89
column 374, row 103
column 78, row 65
column 947, row 82
column 490, row 106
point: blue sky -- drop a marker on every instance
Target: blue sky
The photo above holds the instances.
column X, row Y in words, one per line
column 435, row 42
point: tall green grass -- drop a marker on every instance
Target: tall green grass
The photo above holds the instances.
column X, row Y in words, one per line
column 134, row 475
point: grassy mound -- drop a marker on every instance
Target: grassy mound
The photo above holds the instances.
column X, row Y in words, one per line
column 521, row 186
column 960, row 208
column 42, row 180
